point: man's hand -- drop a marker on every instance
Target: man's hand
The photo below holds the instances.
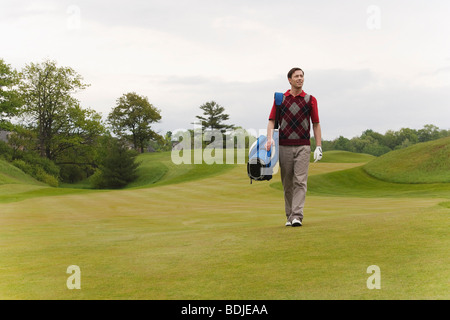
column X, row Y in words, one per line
column 318, row 154
column 269, row 144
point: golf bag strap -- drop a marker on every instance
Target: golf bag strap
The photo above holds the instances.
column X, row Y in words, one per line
column 279, row 97
column 276, row 119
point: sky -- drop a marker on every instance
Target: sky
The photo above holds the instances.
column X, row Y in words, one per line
column 380, row 65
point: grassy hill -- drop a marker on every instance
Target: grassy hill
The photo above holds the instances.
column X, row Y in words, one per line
column 355, row 182
column 15, row 185
column 10, row 174
column 338, row 156
column 157, row 169
column 427, row 162
column 356, row 175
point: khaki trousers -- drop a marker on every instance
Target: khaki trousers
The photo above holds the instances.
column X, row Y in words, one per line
column 294, row 163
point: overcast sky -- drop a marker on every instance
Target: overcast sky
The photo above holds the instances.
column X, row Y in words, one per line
column 376, row 65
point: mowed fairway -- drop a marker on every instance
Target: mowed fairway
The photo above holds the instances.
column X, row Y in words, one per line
column 221, row 237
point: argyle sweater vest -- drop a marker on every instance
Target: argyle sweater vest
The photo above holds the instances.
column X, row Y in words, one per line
column 294, row 121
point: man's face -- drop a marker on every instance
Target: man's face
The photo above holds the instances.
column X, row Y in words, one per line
column 296, row 80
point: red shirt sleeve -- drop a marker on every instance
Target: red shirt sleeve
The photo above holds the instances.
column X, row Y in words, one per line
column 273, row 112
column 314, row 111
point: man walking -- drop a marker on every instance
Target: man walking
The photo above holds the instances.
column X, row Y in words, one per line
column 294, row 119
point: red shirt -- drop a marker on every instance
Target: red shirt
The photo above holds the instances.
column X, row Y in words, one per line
column 313, row 102
column 295, row 115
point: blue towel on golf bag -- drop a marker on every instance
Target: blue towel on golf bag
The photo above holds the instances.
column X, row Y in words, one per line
column 261, row 163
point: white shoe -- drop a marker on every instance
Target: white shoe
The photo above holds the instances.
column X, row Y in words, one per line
column 296, row 223
column 288, row 223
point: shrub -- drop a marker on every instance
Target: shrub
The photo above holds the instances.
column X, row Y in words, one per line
column 46, row 178
column 5, row 151
column 117, row 167
column 37, row 161
column 22, row 165
column 37, row 172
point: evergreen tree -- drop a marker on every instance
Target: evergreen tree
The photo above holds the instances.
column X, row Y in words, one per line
column 117, row 166
column 213, row 117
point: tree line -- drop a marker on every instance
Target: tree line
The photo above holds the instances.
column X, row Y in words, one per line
column 377, row 144
column 54, row 139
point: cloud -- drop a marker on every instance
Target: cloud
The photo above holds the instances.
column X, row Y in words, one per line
column 182, row 54
column 350, row 101
column 363, row 100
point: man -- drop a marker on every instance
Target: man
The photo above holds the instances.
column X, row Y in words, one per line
column 295, row 114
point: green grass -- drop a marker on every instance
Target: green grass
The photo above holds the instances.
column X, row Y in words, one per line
column 421, row 163
column 400, row 173
column 337, row 156
column 356, row 182
column 206, row 233
column 10, row 174
column 157, row 169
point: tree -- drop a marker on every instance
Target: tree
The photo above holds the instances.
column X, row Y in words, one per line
column 378, row 137
column 429, row 132
column 163, row 145
column 407, row 137
column 391, row 139
column 46, row 91
column 75, row 146
column 341, row 143
column 214, row 117
column 9, row 98
column 117, row 166
column 132, row 118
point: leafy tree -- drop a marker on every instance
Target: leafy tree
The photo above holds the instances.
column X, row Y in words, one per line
column 341, row 143
column 20, row 140
column 9, row 98
column 374, row 148
column 6, row 152
column 378, row 137
column 164, row 144
column 391, row 139
column 78, row 145
column 132, row 118
column 356, row 144
column 77, row 140
column 407, row 134
column 428, row 133
column 213, row 117
column 377, row 144
column 46, row 91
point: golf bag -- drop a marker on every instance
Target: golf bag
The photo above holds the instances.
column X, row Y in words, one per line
column 261, row 163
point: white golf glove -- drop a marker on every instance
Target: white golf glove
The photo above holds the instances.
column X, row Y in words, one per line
column 318, row 154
